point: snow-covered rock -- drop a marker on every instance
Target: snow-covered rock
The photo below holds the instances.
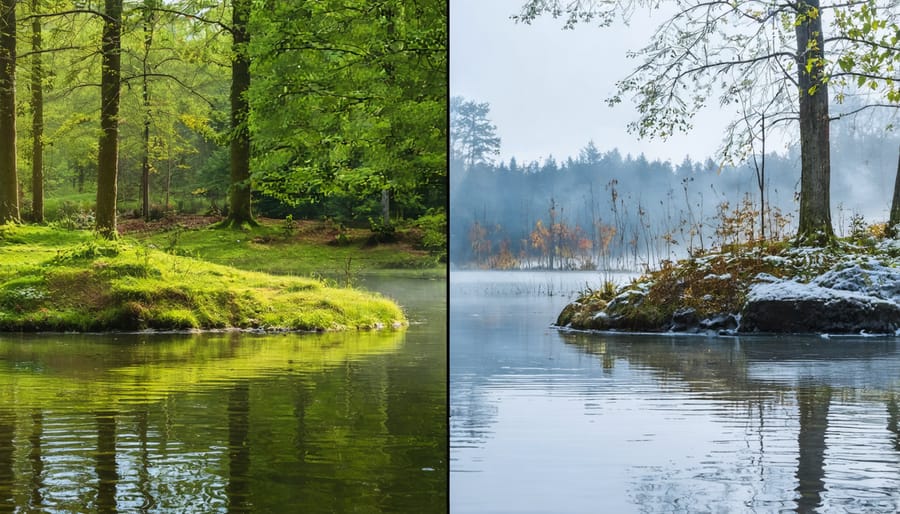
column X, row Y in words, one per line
column 870, row 277
column 791, row 306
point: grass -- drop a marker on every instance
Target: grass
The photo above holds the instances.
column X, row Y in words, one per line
column 309, row 248
column 61, row 280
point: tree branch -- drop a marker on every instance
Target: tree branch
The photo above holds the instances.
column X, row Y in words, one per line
column 173, row 78
column 226, row 28
column 864, row 107
column 30, row 17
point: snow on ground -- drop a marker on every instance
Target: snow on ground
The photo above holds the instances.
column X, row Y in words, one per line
column 790, row 290
column 856, row 277
column 869, row 277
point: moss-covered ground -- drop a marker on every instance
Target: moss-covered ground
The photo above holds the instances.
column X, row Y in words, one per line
column 307, row 248
column 69, row 280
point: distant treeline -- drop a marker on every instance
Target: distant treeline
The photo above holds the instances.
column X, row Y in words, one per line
column 608, row 211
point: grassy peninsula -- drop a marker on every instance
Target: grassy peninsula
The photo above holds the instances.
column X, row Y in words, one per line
column 53, row 279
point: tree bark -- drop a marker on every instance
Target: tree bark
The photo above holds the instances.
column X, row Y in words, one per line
column 815, row 173
column 9, row 182
column 239, row 212
column 145, row 163
column 37, row 120
column 894, row 220
column 108, row 151
column 388, row 13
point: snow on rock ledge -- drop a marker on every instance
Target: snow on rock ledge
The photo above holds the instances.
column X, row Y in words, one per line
column 852, row 305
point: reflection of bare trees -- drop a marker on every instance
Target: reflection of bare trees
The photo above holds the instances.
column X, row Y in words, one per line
column 805, row 378
column 893, row 426
column 813, row 403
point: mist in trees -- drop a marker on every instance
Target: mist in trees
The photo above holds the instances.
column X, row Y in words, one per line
column 601, row 209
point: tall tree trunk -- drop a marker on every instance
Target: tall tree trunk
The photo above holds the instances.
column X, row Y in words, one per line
column 894, row 220
column 388, row 67
column 239, row 212
column 168, row 176
column 386, row 207
column 815, row 172
column 761, row 182
column 37, row 120
column 108, row 151
column 9, row 182
column 145, row 164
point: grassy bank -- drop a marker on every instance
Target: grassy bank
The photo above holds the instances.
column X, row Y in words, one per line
column 52, row 279
column 307, row 248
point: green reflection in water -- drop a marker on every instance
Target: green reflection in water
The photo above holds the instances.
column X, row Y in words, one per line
column 128, row 369
column 220, row 423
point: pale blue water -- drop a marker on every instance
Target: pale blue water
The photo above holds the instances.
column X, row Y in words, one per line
column 544, row 421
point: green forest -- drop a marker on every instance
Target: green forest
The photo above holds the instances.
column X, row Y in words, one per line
column 312, row 134
column 118, row 109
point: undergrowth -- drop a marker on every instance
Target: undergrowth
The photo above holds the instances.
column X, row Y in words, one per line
column 716, row 283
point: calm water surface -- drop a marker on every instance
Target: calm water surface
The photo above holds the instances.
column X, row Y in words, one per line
column 552, row 422
column 228, row 422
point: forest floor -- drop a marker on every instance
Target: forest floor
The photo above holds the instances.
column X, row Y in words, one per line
column 320, row 249
column 54, row 279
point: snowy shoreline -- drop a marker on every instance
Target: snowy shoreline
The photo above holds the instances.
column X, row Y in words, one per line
column 843, row 289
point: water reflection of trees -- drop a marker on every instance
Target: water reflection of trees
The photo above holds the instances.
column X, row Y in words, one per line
column 726, row 370
column 7, row 449
column 36, row 459
column 105, row 461
column 295, row 431
column 813, row 403
column 238, row 488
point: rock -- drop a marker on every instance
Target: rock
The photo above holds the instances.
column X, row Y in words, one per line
column 791, row 307
column 685, row 320
column 722, row 323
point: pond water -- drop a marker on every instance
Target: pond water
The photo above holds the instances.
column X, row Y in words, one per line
column 552, row 422
column 230, row 422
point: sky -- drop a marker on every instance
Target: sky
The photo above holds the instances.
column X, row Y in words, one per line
column 547, row 87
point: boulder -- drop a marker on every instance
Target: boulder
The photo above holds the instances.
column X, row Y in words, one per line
column 787, row 306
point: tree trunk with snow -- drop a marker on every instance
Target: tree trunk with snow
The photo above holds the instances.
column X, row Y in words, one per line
column 894, row 220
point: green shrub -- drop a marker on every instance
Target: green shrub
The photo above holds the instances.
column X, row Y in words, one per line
column 434, row 237
column 382, row 232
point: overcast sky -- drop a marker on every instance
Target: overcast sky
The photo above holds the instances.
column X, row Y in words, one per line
column 547, row 86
